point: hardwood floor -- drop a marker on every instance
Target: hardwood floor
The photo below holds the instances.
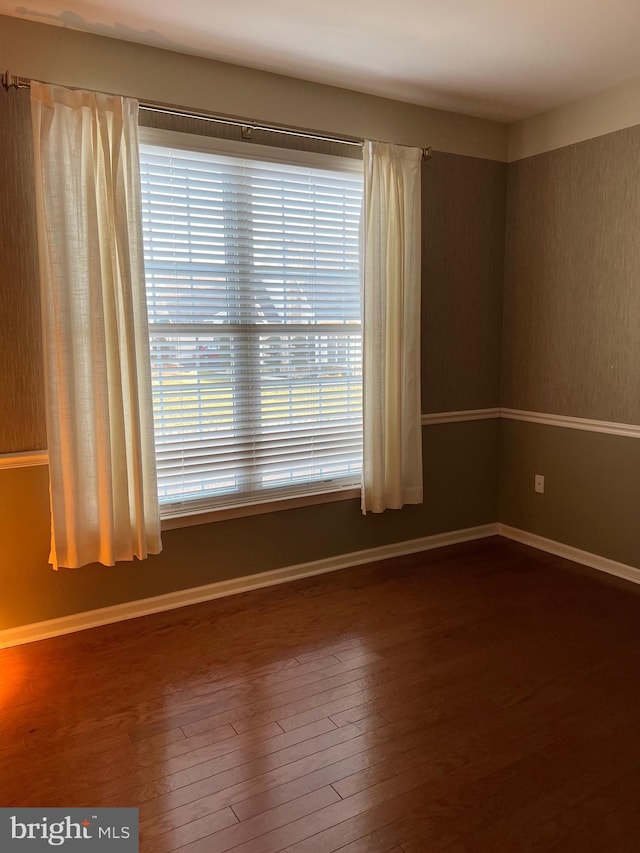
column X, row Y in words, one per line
column 484, row 697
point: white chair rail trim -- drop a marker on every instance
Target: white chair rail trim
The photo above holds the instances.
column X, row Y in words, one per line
column 40, row 457
column 588, row 424
column 458, row 417
column 24, row 460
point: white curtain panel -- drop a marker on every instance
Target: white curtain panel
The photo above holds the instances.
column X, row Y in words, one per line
column 392, row 463
column 104, row 503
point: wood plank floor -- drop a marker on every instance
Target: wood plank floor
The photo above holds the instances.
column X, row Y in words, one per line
column 484, row 697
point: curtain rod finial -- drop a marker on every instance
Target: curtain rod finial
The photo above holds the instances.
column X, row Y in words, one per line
column 10, row 81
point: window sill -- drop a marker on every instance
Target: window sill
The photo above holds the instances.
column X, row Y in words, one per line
column 208, row 515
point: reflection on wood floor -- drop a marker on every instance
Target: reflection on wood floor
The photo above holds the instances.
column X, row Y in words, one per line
column 483, row 697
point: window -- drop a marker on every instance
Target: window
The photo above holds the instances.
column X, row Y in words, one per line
column 253, row 290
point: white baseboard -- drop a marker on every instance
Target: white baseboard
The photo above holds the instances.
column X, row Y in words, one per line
column 594, row 561
column 181, row 598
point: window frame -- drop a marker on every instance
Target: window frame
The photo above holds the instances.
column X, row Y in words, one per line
column 193, row 512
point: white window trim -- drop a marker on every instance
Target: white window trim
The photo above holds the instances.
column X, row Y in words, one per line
column 207, row 515
column 173, row 516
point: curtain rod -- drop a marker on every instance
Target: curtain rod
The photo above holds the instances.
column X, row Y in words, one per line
column 11, row 81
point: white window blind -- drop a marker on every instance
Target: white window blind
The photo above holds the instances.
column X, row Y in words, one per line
column 253, row 293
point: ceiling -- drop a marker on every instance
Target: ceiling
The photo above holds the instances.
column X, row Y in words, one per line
column 499, row 59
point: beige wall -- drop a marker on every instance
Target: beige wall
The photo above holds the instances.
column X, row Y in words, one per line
column 605, row 112
column 59, row 55
column 463, row 206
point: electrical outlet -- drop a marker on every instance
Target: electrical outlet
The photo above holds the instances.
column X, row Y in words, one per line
column 538, row 483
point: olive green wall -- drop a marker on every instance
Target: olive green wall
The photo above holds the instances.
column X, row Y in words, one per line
column 463, row 269
column 463, row 217
column 530, row 301
column 460, row 465
column 592, row 488
column 21, row 390
column 571, row 343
